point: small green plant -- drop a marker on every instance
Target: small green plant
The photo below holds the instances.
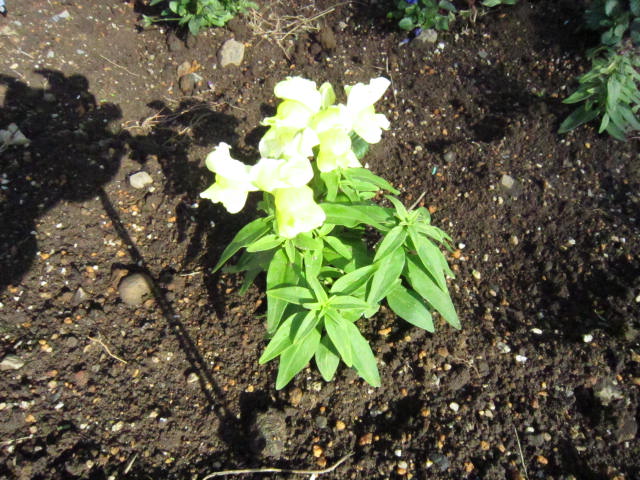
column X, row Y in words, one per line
column 320, row 222
column 199, row 14
column 610, row 90
column 417, row 15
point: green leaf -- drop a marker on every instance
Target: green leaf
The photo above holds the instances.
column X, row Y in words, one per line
column 338, row 331
column 359, row 146
column 294, row 294
column 327, row 358
column 313, row 264
column 351, row 215
column 364, row 360
column 295, row 357
column 447, row 6
column 309, row 322
column 280, row 272
column 422, row 283
column 281, row 339
column 330, row 180
column 366, row 175
column 339, row 246
column 578, row 117
column 408, row 305
column 401, row 211
column 406, row 23
column 352, row 281
column 388, row 270
column 348, row 302
column 391, row 242
column 268, row 242
column 305, row 241
column 246, row 236
column 430, row 256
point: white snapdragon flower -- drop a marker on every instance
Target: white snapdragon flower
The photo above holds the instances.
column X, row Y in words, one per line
column 335, row 151
column 271, row 174
column 360, row 99
column 296, row 211
column 233, row 179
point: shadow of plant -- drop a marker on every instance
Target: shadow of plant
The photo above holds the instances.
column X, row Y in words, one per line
column 72, row 153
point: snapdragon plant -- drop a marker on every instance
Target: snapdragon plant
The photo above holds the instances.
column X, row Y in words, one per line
column 320, row 218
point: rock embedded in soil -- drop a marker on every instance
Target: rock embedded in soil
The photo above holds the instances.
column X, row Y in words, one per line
column 231, row 53
column 11, row 362
column 187, row 83
column 140, row 180
column 135, row 289
column 327, row 39
column 268, row 433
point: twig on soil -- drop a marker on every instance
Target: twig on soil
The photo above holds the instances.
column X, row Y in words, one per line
column 279, row 27
column 524, row 466
column 97, row 340
column 313, row 473
column 6, row 443
column 119, row 66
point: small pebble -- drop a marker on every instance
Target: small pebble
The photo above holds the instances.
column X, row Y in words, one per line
column 521, row 358
column 476, row 274
column 366, row 439
column 117, row 426
column 340, row 425
column 11, row 362
column 317, row 451
column 536, row 331
column 503, row 347
column 587, row 338
column 140, row 180
column 454, row 406
column 134, row 289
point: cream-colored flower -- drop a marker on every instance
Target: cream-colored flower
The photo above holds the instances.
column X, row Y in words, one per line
column 296, row 211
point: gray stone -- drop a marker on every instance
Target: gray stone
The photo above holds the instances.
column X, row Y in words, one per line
column 607, row 390
column 428, row 36
column 11, row 362
column 231, row 53
column 627, row 430
column 450, row 157
column 269, row 433
column 135, row 289
column 187, row 83
column 140, row 180
column 507, row 182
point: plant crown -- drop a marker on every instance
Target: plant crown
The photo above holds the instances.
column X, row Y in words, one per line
column 610, row 90
column 417, row 15
column 199, row 14
column 319, row 220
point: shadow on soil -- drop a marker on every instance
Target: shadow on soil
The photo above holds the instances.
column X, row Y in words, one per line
column 72, row 153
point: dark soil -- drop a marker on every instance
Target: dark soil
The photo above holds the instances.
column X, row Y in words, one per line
column 543, row 380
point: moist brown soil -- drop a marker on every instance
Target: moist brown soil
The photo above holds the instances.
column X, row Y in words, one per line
column 541, row 382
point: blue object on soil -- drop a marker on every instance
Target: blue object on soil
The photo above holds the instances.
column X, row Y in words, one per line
column 411, row 2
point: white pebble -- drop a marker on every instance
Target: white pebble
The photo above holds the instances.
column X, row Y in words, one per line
column 587, row 338
column 503, row 347
column 521, row 358
column 536, row 331
column 454, row 406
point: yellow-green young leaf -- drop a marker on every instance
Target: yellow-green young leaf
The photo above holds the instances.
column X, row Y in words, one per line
column 366, row 175
column 440, row 300
column 363, row 359
column 408, row 305
column 281, row 339
column 295, row 357
column 327, row 358
column 338, row 331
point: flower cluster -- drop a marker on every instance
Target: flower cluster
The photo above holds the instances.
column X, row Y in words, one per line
column 308, row 124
